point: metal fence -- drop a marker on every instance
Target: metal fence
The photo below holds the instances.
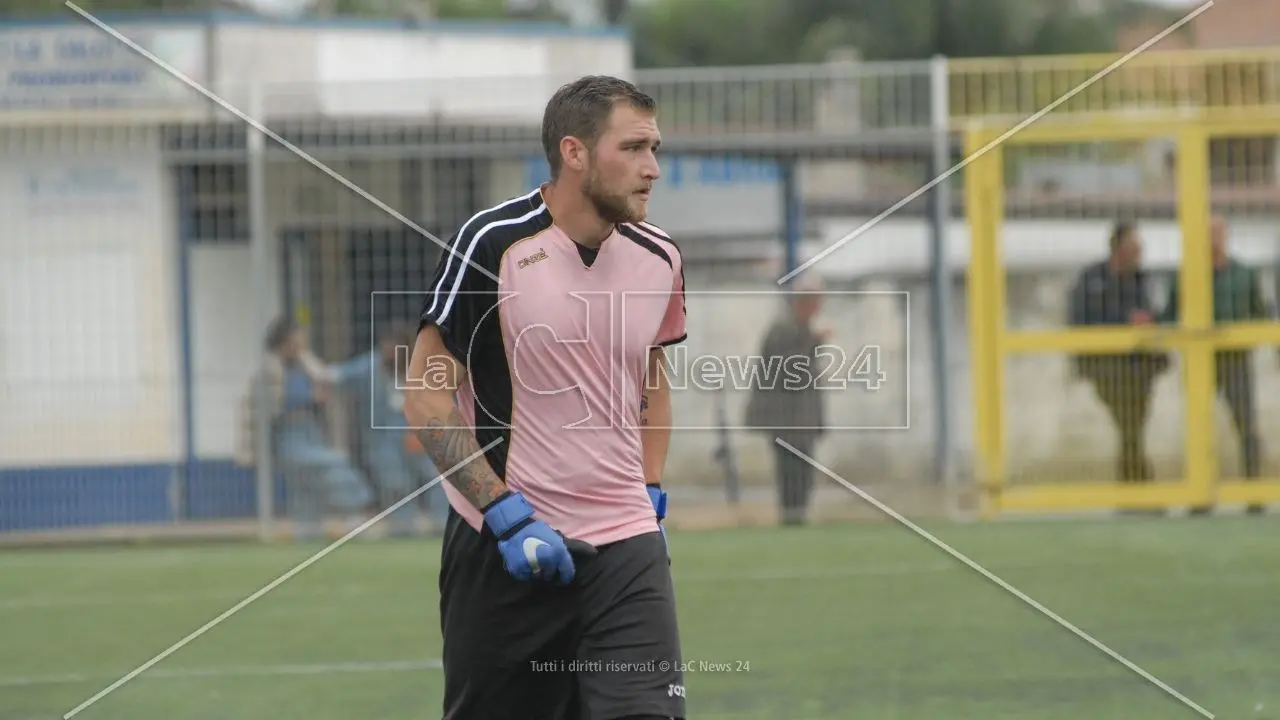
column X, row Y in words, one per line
column 1143, row 376
column 148, row 256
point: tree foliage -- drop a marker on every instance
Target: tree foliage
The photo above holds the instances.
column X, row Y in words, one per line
column 750, row 32
column 681, row 33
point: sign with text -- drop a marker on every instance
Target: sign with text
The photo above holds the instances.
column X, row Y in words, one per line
column 79, row 67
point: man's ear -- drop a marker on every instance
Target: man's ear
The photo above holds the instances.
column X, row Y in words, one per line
column 573, row 153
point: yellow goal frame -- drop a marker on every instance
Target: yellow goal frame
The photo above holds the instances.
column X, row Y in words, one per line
column 1196, row 337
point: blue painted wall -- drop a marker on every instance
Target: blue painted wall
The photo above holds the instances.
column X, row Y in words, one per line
column 67, row 497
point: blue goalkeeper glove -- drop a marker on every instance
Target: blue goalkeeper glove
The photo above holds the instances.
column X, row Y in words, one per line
column 530, row 549
column 659, row 499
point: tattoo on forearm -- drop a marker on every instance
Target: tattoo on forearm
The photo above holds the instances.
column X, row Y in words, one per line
column 644, row 408
column 449, row 442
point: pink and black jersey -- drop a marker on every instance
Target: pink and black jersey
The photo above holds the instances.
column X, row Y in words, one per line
column 556, row 350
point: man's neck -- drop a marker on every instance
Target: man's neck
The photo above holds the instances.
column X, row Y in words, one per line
column 575, row 215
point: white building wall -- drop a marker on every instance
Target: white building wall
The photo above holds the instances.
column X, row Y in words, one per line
column 88, row 320
column 224, row 346
column 283, row 58
column 489, row 72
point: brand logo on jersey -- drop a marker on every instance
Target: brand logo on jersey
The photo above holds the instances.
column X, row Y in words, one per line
column 536, row 257
column 675, row 691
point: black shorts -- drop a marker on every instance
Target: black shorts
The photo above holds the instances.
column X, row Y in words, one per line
column 603, row 647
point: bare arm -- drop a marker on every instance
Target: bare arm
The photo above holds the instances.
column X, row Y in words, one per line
column 655, row 418
column 440, row 427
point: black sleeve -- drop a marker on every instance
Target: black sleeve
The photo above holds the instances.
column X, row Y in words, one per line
column 463, row 297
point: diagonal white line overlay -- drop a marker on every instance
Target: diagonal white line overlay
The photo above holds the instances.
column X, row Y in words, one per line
column 994, row 143
column 993, row 578
column 265, row 131
column 277, row 582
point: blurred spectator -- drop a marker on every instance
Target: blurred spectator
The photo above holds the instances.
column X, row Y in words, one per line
column 794, row 410
column 317, row 476
column 371, row 378
column 1237, row 297
column 1114, row 292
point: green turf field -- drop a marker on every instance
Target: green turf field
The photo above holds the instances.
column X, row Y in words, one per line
column 857, row 621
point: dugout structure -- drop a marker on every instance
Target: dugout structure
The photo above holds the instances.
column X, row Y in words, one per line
column 1194, row 340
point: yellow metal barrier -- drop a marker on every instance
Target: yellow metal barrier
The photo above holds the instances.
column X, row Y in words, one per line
column 1195, row 338
column 1150, row 81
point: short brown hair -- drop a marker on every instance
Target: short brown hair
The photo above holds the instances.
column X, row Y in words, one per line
column 581, row 109
column 1120, row 232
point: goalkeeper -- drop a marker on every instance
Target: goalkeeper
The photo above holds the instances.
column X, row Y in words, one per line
column 556, row 599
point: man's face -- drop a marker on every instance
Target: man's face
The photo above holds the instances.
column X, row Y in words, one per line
column 1130, row 252
column 623, row 167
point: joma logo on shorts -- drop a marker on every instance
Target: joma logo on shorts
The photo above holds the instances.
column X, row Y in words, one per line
column 675, row 690
column 536, row 257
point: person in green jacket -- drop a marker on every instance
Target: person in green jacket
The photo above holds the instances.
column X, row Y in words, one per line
column 1237, row 297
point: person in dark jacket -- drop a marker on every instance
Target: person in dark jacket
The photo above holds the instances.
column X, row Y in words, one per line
column 1237, row 297
column 781, row 407
column 1114, row 292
